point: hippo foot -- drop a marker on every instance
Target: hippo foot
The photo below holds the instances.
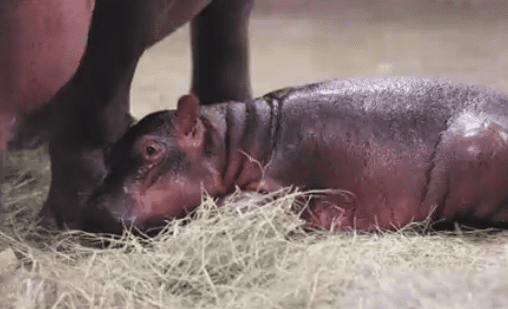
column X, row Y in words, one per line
column 329, row 210
column 60, row 211
column 75, row 174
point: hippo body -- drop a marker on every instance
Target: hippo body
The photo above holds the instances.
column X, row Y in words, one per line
column 393, row 150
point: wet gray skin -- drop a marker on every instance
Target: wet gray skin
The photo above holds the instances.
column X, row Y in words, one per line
column 401, row 148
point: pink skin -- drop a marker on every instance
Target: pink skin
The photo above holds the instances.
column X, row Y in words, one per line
column 153, row 195
column 382, row 168
column 158, row 197
column 42, row 43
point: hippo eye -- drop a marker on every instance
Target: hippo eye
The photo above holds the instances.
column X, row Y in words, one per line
column 150, row 150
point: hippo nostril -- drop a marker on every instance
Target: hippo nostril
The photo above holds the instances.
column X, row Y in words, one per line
column 109, row 210
column 100, row 219
column 72, row 225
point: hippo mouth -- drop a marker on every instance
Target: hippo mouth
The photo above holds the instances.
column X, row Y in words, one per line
column 108, row 211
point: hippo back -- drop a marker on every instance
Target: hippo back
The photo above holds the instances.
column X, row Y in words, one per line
column 408, row 109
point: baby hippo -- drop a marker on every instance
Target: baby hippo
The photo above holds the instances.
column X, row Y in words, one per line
column 393, row 151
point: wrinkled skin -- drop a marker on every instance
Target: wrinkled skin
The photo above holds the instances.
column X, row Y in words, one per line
column 393, row 150
column 46, row 55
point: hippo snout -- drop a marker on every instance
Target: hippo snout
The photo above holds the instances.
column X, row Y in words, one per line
column 107, row 213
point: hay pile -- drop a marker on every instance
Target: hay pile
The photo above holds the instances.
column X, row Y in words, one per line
column 252, row 253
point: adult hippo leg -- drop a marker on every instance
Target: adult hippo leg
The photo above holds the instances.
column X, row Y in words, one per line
column 220, row 52
column 41, row 44
column 6, row 120
column 91, row 111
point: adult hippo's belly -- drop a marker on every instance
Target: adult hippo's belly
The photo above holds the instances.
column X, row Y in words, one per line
column 42, row 43
column 391, row 151
column 46, row 57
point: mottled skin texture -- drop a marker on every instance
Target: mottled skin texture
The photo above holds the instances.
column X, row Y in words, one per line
column 45, row 55
column 394, row 150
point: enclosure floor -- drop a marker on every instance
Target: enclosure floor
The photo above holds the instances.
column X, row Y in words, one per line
column 255, row 252
column 310, row 41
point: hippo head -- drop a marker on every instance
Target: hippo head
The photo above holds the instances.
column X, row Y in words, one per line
column 158, row 170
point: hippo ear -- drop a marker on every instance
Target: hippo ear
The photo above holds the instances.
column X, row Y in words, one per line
column 187, row 113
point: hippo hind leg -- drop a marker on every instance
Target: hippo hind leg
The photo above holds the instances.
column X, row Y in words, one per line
column 473, row 169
